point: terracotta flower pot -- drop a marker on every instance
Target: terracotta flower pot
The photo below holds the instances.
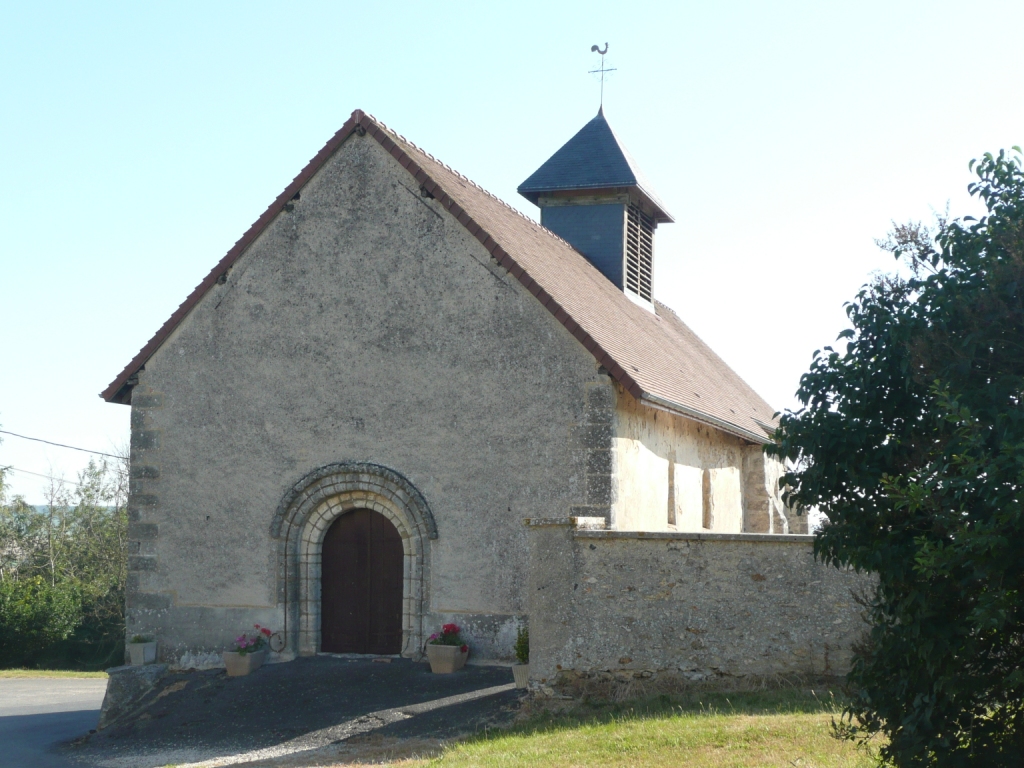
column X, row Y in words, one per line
column 238, row 664
column 446, row 658
column 142, row 653
column 521, row 674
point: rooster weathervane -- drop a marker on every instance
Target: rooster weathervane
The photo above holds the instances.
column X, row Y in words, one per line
column 602, row 70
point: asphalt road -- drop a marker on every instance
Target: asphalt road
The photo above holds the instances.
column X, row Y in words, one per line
column 38, row 713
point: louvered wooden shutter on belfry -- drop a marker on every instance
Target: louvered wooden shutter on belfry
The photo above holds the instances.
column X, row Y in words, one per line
column 639, row 252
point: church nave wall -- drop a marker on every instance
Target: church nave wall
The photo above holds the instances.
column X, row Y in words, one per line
column 364, row 324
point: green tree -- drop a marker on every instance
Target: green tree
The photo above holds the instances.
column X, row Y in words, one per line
column 63, row 571
column 911, row 441
column 34, row 615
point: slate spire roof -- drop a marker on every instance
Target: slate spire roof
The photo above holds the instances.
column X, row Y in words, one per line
column 653, row 355
column 592, row 159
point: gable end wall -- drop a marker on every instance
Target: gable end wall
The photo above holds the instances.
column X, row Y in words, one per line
column 364, row 324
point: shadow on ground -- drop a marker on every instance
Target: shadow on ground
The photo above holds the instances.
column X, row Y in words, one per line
column 28, row 739
column 299, row 707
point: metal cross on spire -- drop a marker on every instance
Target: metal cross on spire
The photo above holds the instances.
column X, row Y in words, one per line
column 602, row 70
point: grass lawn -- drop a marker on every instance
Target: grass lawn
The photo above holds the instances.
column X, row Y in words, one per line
column 741, row 730
column 48, row 673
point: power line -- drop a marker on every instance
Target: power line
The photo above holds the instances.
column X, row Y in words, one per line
column 48, row 477
column 59, row 445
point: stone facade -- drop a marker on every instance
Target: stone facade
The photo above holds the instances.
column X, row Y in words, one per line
column 692, row 606
column 367, row 351
column 364, row 325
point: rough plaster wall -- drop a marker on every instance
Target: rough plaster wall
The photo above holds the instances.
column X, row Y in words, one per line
column 697, row 606
column 364, row 324
column 644, row 441
column 689, row 501
column 763, row 508
column 727, row 497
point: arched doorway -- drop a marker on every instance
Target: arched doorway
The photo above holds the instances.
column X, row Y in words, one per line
column 302, row 520
column 361, row 585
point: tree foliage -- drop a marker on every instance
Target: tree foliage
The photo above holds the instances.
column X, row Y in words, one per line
column 35, row 614
column 63, row 569
column 911, row 441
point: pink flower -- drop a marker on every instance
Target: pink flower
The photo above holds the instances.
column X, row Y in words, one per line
column 433, row 636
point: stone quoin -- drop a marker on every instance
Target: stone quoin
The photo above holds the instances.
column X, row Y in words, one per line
column 388, row 338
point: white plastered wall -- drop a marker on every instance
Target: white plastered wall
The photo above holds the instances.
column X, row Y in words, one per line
column 659, row 462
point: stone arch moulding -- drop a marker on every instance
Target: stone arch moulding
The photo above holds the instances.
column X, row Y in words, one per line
column 301, row 521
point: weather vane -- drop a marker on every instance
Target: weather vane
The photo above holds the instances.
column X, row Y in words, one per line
column 602, row 70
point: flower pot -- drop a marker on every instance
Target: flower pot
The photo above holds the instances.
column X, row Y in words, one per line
column 142, row 653
column 446, row 658
column 238, row 664
column 521, row 673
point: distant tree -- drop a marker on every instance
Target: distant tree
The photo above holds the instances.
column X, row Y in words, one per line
column 63, row 570
column 911, row 441
column 34, row 615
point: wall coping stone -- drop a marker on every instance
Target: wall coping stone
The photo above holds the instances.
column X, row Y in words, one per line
column 782, row 538
column 595, row 528
column 579, row 523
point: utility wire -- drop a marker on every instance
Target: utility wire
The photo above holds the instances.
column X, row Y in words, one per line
column 48, row 477
column 59, row 445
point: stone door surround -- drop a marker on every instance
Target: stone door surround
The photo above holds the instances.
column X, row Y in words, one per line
column 301, row 522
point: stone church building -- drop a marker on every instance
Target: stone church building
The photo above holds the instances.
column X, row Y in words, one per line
column 340, row 432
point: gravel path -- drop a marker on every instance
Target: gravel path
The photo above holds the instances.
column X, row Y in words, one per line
column 305, row 711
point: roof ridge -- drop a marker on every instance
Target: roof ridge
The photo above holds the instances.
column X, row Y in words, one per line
column 544, row 230
column 619, row 337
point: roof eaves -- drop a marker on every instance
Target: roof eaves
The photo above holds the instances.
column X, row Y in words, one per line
column 533, row 193
column 119, row 390
column 705, row 418
column 604, row 184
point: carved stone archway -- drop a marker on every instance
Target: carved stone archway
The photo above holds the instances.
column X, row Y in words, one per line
column 301, row 521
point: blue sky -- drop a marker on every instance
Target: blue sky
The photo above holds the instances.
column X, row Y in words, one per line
column 138, row 142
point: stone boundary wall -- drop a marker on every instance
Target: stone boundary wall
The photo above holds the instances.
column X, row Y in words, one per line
column 696, row 606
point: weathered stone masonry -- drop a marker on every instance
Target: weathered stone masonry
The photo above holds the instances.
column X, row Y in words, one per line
column 699, row 606
column 144, row 604
column 454, row 377
column 302, row 520
column 592, row 438
column 369, row 343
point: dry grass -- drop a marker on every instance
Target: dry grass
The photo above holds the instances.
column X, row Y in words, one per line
column 743, row 730
column 48, row 673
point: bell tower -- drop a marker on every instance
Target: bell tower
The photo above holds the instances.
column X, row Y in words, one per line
column 591, row 194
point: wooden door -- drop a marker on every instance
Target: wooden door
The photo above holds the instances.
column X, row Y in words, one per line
column 361, row 585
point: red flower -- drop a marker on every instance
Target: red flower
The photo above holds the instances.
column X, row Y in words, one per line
column 464, row 648
column 450, row 629
column 266, row 631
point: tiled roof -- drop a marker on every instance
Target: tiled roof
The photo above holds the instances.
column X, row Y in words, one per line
column 592, row 159
column 655, row 357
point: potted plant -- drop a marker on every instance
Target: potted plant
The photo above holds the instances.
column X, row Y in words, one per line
column 141, row 650
column 521, row 671
column 249, row 652
column 446, row 651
